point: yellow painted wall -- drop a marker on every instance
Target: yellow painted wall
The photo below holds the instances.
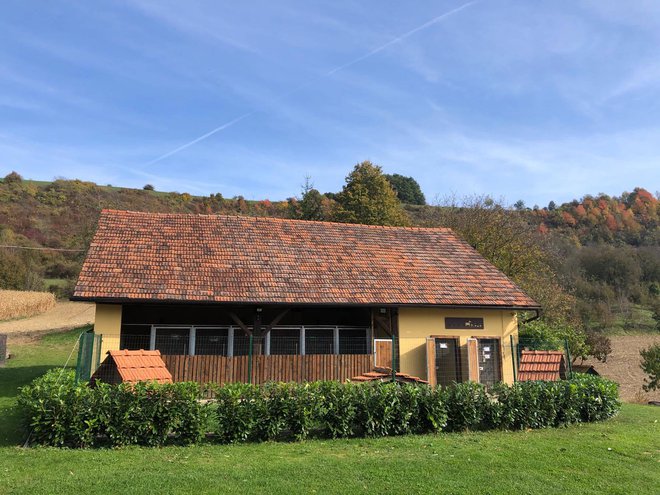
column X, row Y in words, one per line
column 107, row 322
column 416, row 324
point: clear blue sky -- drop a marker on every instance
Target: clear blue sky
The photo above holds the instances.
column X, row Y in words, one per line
column 536, row 100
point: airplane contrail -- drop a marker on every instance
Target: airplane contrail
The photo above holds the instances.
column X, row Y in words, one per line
column 339, row 68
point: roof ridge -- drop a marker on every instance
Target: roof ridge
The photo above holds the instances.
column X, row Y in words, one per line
column 278, row 219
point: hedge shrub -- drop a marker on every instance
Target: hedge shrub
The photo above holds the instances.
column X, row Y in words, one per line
column 60, row 412
column 57, row 411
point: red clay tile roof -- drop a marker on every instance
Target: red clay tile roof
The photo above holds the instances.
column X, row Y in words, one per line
column 541, row 365
column 216, row 258
column 140, row 366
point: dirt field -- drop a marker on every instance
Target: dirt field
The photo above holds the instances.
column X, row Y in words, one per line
column 63, row 316
column 622, row 366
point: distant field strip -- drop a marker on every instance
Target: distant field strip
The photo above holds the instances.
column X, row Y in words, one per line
column 22, row 304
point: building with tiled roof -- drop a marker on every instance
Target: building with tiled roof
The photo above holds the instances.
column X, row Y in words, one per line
column 231, row 286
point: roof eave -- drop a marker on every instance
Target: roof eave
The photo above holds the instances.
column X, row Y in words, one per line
column 120, row 300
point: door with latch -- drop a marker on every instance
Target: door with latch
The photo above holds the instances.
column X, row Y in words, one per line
column 490, row 368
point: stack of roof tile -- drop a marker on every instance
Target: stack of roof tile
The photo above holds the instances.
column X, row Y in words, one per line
column 541, row 365
column 384, row 375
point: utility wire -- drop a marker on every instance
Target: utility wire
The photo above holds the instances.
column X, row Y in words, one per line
column 40, row 248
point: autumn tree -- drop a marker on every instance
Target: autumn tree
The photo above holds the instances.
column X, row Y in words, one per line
column 13, row 178
column 368, row 197
column 513, row 245
column 407, row 189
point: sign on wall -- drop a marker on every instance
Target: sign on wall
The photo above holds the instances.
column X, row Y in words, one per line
column 464, row 323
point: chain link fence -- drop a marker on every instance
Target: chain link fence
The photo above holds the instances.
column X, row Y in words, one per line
column 89, row 355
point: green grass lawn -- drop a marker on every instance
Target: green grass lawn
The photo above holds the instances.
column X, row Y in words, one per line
column 618, row 456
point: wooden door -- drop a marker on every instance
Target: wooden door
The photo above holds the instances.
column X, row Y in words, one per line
column 383, row 353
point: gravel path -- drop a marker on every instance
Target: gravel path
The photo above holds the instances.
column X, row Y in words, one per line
column 63, row 316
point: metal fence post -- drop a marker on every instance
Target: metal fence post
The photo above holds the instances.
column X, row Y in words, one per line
column 79, row 362
column 513, row 360
column 393, row 357
column 250, row 354
column 99, row 343
column 569, row 364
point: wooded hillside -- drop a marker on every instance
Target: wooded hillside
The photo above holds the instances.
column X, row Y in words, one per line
column 593, row 261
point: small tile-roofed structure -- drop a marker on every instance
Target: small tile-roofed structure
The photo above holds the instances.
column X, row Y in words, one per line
column 541, row 365
column 131, row 367
column 158, row 257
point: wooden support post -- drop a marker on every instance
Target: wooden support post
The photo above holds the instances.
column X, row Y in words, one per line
column 238, row 322
column 473, row 359
column 431, row 373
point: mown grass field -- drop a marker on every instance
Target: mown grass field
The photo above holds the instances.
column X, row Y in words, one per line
column 617, row 456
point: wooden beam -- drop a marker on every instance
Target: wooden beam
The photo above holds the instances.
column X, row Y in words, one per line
column 238, row 321
column 431, row 374
column 383, row 322
column 473, row 359
column 276, row 320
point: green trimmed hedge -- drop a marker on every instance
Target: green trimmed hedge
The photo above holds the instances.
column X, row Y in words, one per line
column 326, row 409
column 60, row 412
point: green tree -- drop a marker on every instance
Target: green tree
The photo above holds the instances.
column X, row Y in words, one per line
column 312, row 203
column 13, row 178
column 651, row 366
column 407, row 189
column 552, row 336
column 507, row 240
column 367, row 197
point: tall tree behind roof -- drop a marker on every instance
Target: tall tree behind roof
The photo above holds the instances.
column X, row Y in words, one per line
column 368, row 198
column 407, row 189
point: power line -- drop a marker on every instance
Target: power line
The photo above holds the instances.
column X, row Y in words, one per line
column 40, row 248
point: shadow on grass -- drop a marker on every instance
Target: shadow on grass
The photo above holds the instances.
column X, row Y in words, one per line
column 13, row 378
